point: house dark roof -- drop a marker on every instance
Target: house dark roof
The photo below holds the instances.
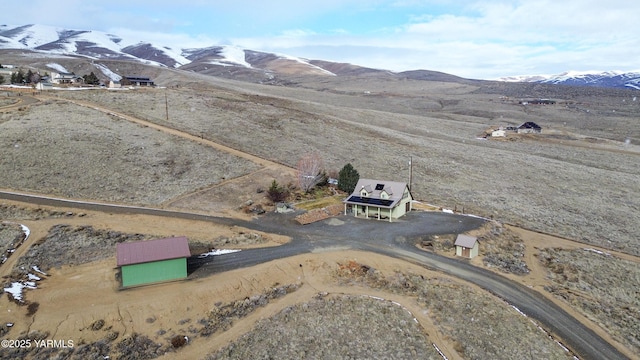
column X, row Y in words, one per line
column 139, row 252
column 374, row 189
column 138, row 78
column 529, row 125
column 465, row 241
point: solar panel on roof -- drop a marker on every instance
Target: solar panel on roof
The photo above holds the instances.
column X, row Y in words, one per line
column 371, row 201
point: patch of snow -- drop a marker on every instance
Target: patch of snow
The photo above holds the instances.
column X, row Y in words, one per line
column 597, row 252
column 17, row 287
column 217, row 252
column 37, row 269
column 448, row 211
column 233, row 55
column 518, row 310
column 108, row 73
column 439, row 352
column 306, row 62
column 57, row 67
column 26, row 231
column 33, row 277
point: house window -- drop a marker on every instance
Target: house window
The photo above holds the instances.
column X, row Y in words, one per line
column 363, row 193
column 379, row 187
column 384, row 195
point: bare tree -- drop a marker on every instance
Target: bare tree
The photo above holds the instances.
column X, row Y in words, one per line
column 310, row 171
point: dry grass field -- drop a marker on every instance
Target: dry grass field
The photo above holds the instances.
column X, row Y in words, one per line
column 212, row 145
column 578, row 179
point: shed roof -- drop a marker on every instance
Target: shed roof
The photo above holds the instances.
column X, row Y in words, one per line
column 138, row 252
column 466, row 241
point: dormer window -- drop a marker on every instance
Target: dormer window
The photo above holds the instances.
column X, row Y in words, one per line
column 364, row 193
column 384, row 195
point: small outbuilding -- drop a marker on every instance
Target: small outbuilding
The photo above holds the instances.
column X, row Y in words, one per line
column 466, row 246
column 146, row 262
column 499, row 133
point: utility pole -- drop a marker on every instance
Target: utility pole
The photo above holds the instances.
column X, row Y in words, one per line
column 410, row 172
column 166, row 104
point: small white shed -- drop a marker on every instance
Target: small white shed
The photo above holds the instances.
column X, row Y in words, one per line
column 466, row 246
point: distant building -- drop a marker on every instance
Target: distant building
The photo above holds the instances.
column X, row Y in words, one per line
column 379, row 199
column 538, row 102
column 66, row 78
column 466, row 246
column 529, row 127
column 113, row 84
column 137, row 81
column 145, row 262
column 499, row 132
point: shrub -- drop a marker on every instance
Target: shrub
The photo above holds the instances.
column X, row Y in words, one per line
column 277, row 193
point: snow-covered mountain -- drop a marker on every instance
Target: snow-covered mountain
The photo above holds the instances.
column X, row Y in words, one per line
column 102, row 46
column 614, row 79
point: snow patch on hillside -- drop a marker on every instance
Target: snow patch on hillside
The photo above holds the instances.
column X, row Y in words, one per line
column 305, row 62
column 57, row 67
column 233, row 55
column 108, row 73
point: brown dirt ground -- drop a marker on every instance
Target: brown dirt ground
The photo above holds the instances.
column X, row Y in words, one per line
column 72, row 298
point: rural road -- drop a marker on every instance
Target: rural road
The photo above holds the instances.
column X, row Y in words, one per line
column 397, row 239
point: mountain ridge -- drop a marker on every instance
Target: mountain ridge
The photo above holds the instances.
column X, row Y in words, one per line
column 219, row 59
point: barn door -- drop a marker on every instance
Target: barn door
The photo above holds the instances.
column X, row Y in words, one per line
column 466, row 252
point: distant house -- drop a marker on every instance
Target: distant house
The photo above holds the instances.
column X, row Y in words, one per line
column 145, row 262
column 466, row 246
column 66, row 78
column 113, row 84
column 379, row 199
column 138, row 81
column 538, row 102
column 529, row 127
column 499, row 133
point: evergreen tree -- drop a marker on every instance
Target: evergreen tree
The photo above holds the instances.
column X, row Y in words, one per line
column 91, row 79
column 277, row 193
column 348, row 178
column 17, row 77
column 29, row 77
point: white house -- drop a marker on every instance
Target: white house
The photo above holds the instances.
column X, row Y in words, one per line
column 499, row 133
column 379, row 199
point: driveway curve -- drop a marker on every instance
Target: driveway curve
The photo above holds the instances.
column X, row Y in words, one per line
column 397, row 239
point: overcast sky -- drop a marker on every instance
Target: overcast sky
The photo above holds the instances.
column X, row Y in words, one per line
column 473, row 39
